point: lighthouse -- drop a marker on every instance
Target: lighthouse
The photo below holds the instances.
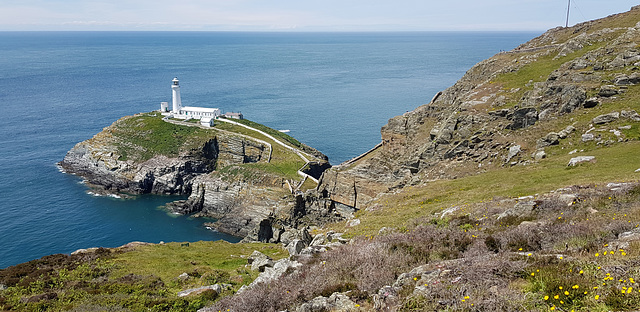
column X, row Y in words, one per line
column 177, row 103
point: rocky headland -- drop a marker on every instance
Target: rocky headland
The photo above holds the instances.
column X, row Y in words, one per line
column 516, row 189
column 240, row 177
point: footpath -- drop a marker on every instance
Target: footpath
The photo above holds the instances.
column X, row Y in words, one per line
column 298, row 152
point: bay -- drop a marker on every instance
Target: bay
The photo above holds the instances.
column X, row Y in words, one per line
column 333, row 91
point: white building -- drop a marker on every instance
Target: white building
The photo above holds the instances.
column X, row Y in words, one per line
column 206, row 121
column 185, row 112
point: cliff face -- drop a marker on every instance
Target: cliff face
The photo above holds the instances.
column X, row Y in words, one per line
column 101, row 163
column 230, row 176
column 504, row 111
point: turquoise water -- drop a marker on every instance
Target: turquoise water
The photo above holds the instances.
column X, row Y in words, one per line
column 332, row 90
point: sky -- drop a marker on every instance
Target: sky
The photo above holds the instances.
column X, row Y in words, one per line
column 301, row 15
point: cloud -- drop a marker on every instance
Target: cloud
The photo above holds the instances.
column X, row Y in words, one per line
column 295, row 14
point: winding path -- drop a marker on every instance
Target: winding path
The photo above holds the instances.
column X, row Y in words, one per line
column 300, row 153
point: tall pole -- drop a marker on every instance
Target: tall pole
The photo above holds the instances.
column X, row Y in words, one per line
column 568, row 8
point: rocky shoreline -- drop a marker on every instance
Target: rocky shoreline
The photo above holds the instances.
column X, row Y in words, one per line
column 255, row 205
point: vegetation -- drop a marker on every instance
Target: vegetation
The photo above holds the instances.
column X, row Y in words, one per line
column 143, row 279
column 143, row 136
column 567, row 258
column 275, row 133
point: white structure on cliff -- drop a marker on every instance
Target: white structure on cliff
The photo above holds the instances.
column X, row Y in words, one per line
column 186, row 112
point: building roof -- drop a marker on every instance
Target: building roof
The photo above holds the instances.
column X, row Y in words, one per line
column 200, row 109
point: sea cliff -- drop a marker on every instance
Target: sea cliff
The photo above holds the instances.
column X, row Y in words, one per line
column 516, row 189
column 238, row 176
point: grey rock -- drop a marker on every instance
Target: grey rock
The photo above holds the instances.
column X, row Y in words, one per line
column 522, row 118
column 566, row 132
column 629, row 236
column 196, row 291
column 318, row 240
column 513, row 152
column 539, row 155
column 338, row 302
column 295, row 247
column 3, row 287
column 281, row 267
column 259, row 261
column 183, row 277
column 520, row 210
column 606, row 118
column 591, row 102
column 551, row 138
column 386, row 299
column 580, row 159
column 633, row 115
column 627, row 80
column 588, row 137
column 608, row 91
column 571, row 97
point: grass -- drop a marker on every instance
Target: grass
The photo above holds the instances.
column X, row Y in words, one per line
column 283, row 161
column 144, row 136
column 537, row 71
column 399, row 210
column 275, row 133
column 170, row 260
column 144, row 279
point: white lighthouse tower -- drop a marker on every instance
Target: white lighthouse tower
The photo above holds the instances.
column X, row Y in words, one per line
column 177, row 103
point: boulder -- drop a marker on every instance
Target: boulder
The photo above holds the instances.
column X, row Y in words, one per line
column 591, row 102
column 551, row 138
column 335, row 302
column 581, row 159
column 539, row 154
column 625, row 80
column 606, row 118
column 588, row 137
column 318, row 240
column 608, row 91
column 259, row 261
column 522, row 118
column 566, row 131
column 633, row 115
column 196, row 291
column 521, row 209
column 183, row 277
column 513, row 152
column 295, row 247
column 280, row 267
column 386, row 299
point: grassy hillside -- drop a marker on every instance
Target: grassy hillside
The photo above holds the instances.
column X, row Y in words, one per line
column 144, row 278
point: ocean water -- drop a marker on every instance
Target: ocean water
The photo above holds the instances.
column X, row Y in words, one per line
column 333, row 91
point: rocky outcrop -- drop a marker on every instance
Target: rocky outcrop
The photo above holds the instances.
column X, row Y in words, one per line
column 475, row 124
column 205, row 164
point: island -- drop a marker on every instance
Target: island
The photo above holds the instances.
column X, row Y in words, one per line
column 252, row 179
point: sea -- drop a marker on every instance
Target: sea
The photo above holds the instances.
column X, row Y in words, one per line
column 332, row 91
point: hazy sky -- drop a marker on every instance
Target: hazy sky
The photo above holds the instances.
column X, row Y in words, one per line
column 300, row 15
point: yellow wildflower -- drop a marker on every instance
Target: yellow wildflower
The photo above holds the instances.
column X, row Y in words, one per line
column 546, row 297
column 566, row 293
column 597, row 297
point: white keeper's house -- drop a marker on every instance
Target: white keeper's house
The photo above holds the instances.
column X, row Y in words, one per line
column 204, row 114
